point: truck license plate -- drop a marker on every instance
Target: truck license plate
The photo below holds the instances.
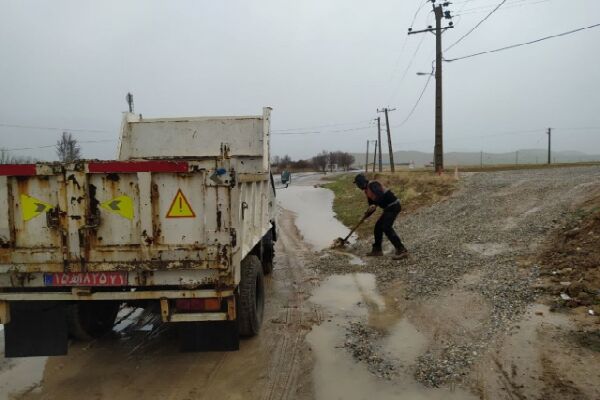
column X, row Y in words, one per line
column 86, row 279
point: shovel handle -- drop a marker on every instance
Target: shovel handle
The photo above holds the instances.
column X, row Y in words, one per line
column 356, row 227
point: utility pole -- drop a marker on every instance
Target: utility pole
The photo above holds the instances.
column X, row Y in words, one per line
column 389, row 135
column 481, row 159
column 549, row 144
column 438, row 149
column 129, row 98
column 367, row 158
column 517, row 157
column 379, row 141
column 375, row 155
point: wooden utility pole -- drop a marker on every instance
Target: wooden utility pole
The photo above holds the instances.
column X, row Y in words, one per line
column 517, row 157
column 375, row 156
column 389, row 135
column 438, row 149
column 367, row 158
column 481, row 159
column 549, row 144
column 379, row 141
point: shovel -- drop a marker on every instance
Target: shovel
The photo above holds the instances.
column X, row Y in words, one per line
column 341, row 242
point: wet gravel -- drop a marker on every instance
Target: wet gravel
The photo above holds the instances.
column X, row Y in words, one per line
column 362, row 342
column 490, row 225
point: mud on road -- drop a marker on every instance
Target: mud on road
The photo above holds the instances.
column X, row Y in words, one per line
column 457, row 320
column 141, row 359
column 462, row 309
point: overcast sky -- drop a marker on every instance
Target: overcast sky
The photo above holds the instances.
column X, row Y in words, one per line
column 69, row 64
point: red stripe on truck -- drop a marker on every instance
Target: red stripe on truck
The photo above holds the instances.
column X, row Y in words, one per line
column 17, row 169
column 137, row 166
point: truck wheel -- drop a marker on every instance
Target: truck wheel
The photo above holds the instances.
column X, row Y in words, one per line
column 88, row 320
column 251, row 297
column 268, row 253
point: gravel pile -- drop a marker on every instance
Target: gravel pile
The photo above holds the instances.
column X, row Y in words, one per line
column 488, row 225
column 361, row 342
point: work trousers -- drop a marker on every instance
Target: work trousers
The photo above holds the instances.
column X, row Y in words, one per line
column 385, row 224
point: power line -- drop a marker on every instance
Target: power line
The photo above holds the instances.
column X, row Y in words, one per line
column 505, row 8
column 509, row 4
column 524, row 43
column 412, row 59
column 278, row 131
column 476, row 26
column 324, row 132
column 406, row 39
column 508, row 133
column 416, row 103
column 53, row 128
column 54, row 145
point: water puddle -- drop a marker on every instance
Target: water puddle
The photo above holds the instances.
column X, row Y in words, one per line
column 353, row 259
column 337, row 375
column 315, row 218
column 405, row 342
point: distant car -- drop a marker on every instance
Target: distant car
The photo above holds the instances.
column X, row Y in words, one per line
column 286, row 177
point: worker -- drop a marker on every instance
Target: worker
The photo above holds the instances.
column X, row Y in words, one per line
column 378, row 195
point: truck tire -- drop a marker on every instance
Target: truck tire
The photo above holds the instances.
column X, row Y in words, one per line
column 251, row 297
column 89, row 320
column 268, row 253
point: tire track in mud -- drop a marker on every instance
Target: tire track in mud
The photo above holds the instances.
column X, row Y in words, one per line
column 284, row 370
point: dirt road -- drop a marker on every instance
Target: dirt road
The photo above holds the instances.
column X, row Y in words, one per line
column 457, row 320
column 142, row 361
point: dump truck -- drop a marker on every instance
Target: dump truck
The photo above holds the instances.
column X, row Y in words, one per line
column 182, row 222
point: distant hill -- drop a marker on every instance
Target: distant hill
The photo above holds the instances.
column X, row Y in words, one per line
column 525, row 156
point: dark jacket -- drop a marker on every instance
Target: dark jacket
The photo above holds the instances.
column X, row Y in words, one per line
column 379, row 195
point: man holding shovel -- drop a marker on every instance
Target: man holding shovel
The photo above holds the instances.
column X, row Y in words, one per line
column 378, row 195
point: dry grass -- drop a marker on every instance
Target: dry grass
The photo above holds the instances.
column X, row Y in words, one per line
column 415, row 189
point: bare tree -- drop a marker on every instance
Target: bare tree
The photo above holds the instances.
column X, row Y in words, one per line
column 345, row 160
column 320, row 161
column 67, row 148
column 5, row 157
column 285, row 162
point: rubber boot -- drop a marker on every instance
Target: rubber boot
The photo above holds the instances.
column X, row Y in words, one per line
column 375, row 252
column 400, row 254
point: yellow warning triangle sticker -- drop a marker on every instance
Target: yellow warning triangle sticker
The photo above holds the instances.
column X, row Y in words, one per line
column 180, row 207
column 121, row 205
column 32, row 207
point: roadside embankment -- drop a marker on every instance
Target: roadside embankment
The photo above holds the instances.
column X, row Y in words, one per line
column 415, row 189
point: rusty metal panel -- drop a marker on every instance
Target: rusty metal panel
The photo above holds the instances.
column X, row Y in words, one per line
column 115, row 199
column 180, row 228
column 34, row 231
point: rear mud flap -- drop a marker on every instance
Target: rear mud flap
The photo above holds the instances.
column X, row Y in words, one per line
column 209, row 336
column 37, row 328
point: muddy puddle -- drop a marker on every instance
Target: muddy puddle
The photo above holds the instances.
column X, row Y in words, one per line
column 337, row 374
column 314, row 214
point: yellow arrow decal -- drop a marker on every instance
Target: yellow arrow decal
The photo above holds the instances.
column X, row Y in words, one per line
column 121, row 205
column 32, row 207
